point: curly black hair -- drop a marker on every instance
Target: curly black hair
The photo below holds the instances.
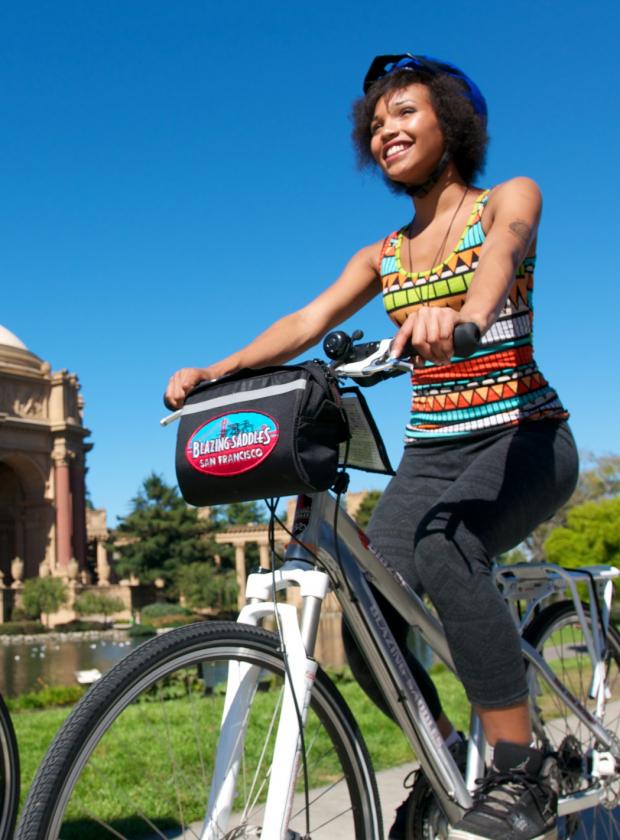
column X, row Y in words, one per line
column 464, row 131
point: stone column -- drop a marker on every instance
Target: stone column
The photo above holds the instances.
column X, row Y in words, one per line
column 103, row 566
column 17, row 572
column 240, row 570
column 64, row 517
column 78, row 495
column 265, row 559
column 20, row 542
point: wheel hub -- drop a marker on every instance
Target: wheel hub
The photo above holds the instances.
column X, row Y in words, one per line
column 571, row 765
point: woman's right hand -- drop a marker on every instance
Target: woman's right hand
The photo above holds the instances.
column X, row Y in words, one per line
column 182, row 382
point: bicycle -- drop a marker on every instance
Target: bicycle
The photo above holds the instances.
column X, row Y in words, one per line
column 9, row 774
column 228, row 730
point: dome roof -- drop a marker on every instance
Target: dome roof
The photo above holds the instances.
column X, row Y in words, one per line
column 9, row 339
column 15, row 357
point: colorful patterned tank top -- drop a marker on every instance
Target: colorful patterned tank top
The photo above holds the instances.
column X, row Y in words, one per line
column 500, row 385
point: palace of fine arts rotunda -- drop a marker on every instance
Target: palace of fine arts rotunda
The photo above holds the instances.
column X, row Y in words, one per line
column 42, row 467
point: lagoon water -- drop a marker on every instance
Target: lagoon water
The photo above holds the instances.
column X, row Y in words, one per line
column 29, row 666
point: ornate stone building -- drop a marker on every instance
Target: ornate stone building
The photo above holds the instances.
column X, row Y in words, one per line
column 42, row 467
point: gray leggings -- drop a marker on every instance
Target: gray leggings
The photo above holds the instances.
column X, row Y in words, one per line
column 450, row 509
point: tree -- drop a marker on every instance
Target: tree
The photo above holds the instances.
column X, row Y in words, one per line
column 202, row 585
column 42, row 596
column 366, row 508
column 240, row 513
column 599, row 480
column 160, row 534
column 591, row 536
column 98, row 603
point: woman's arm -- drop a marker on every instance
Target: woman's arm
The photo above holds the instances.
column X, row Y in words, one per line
column 291, row 335
column 514, row 210
column 511, row 221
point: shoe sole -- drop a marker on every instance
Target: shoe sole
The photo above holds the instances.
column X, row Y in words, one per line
column 459, row 834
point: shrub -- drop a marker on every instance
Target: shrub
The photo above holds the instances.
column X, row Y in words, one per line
column 47, row 697
column 98, row 603
column 18, row 628
column 79, row 626
column 204, row 586
column 176, row 622
column 164, row 610
column 139, row 630
column 42, row 596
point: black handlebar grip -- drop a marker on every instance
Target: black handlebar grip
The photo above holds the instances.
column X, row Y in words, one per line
column 466, row 339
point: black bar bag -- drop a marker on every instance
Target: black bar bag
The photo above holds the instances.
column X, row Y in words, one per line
column 260, row 433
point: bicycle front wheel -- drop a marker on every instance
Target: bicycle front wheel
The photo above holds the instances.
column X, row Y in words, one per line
column 558, row 636
column 135, row 758
column 9, row 774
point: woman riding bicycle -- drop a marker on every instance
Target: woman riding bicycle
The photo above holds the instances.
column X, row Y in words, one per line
column 488, row 454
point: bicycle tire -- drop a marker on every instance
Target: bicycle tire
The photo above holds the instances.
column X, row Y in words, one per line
column 424, row 819
column 9, row 774
column 557, row 635
column 164, row 690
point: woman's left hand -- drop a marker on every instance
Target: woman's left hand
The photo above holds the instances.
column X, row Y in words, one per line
column 429, row 330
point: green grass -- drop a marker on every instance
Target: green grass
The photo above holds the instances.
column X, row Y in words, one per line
column 49, row 696
column 136, row 751
column 135, row 759
column 35, row 731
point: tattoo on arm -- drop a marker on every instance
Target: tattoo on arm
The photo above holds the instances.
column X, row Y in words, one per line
column 521, row 230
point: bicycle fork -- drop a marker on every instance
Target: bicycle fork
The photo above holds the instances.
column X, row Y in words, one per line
column 298, row 641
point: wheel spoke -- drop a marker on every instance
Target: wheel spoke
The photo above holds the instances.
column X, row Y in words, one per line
column 137, row 754
column 559, row 637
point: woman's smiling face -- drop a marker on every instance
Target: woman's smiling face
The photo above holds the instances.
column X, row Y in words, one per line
column 407, row 141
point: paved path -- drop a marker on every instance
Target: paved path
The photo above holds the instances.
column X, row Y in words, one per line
column 391, row 793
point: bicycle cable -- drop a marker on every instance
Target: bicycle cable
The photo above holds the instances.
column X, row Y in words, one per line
column 271, row 506
column 340, row 487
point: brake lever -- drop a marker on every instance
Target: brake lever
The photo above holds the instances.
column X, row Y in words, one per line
column 378, row 362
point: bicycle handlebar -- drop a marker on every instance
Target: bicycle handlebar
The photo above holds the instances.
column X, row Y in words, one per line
column 372, row 362
column 466, row 339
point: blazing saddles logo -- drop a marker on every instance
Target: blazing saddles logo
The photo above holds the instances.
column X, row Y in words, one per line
column 232, row 443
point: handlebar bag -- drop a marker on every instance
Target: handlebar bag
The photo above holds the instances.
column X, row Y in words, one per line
column 260, row 433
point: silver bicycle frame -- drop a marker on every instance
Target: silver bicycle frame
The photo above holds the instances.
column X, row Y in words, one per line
column 319, row 557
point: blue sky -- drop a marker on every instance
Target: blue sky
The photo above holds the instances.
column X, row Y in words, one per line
column 177, row 175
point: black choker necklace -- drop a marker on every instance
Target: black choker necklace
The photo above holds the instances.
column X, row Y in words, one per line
column 423, row 189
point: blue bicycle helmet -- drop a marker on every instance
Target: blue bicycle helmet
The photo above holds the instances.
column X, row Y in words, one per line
column 383, row 65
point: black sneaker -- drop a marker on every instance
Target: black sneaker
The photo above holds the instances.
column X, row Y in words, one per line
column 415, row 779
column 515, row 800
